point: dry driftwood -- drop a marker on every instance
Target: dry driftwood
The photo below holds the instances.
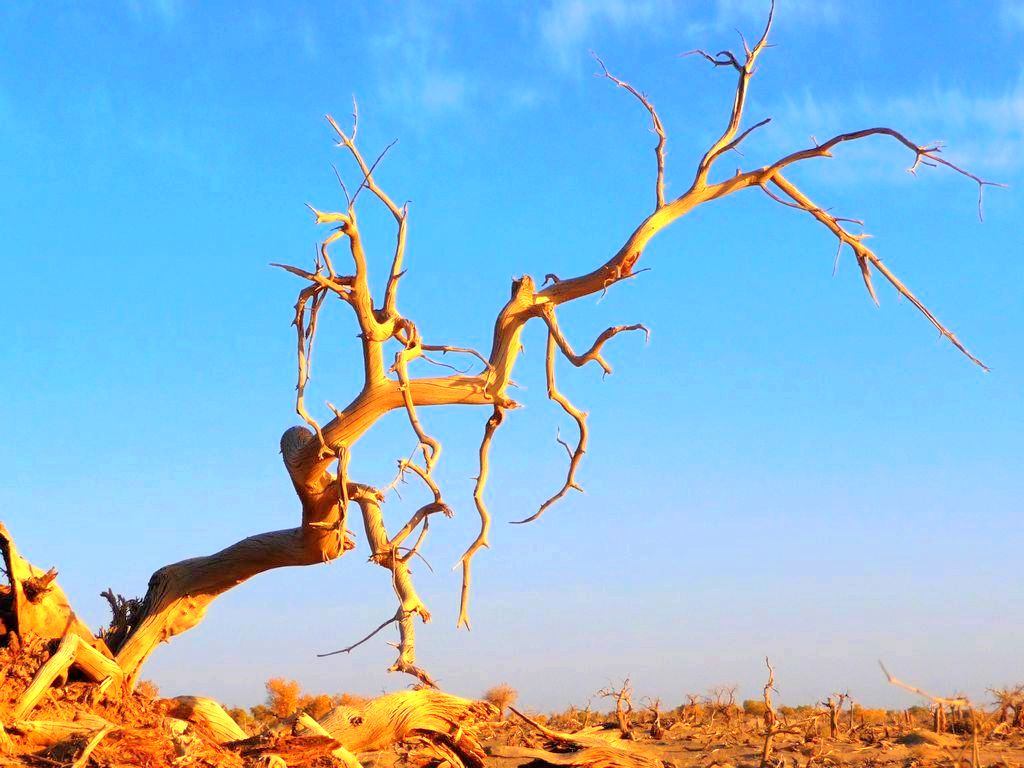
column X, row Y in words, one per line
column 47, row 733
column 207, row 714
column 591, row 748
column 438, row 717
column 588, row 757
column 339, row 752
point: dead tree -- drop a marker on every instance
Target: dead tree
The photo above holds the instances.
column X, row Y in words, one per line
column 657, row 730
column 623, row 696
column 834, row 704
column 691, row 711
column 393, row 350
column 1009, row 705
column 721, row 700
column 771, row 719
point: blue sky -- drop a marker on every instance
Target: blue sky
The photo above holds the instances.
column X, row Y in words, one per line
column 784, row 469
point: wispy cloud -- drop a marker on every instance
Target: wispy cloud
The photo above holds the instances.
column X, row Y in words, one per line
column 730, row 12
column 749, row 16
column 523, row 97
column 415, row 54
column 1011, row 15
column 309, row 39
column 569, row 27
column 168, row 11
column 443, row 90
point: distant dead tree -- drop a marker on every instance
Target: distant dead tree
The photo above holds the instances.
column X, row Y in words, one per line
column 834, row 704
column 623, row 696
column 393, row 349
column 1009, row 705
column 721, row 700
column 587, row 713
column 691, row 712
column 771, row 718
column 653, row 706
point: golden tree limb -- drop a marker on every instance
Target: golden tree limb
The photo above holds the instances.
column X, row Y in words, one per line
column 580, row 417
column 592, row 354
column 866, row 256
column 770, row 718
column 491, row 426
column 419, row 516
column 385, row 554
column 728, row 140
column 413, row 350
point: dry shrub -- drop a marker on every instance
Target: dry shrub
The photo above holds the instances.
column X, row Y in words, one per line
column 148, row 688
column 754, row 707
column 870, row 716
column 501, row 696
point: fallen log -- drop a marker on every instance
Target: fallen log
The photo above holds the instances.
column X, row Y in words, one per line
column 47, row 733
column 588, row 757
column 339, row 752
column 428, row 714
column 208, row 715
column 591, row 748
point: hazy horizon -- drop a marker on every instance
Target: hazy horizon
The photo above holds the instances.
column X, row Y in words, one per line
column 784, row 470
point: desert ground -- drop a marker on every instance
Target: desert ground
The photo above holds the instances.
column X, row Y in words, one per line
column 55, row 712
column 66, row 701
